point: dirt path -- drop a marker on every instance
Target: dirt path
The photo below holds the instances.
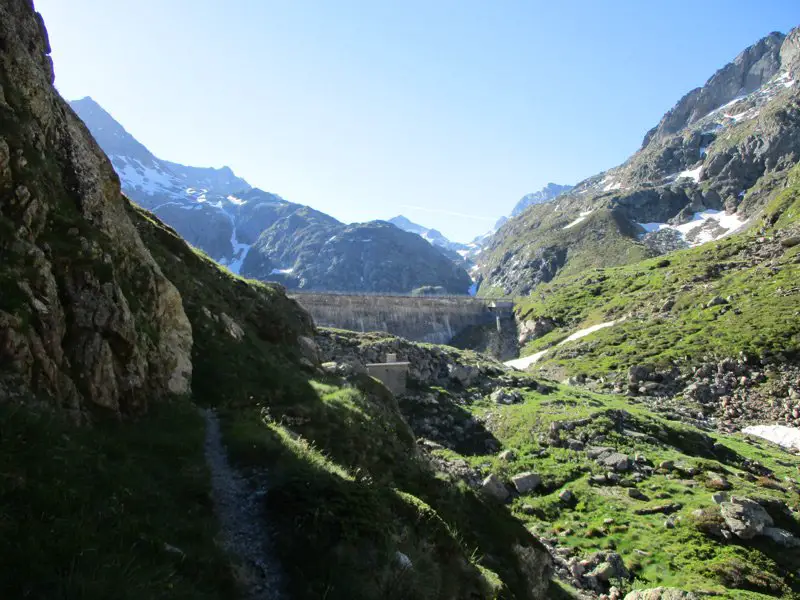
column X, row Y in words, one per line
column 238, row 506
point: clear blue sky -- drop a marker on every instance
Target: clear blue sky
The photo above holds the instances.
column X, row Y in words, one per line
column 446, row 111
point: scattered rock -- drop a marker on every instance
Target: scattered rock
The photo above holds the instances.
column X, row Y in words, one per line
column 526, row 482
column 717, row 482
column 494, row 488
column 716, row 301
column 665, row 509
column 746, row 518
column 637, row 494
column 507, row 455
column 566, row 496
column 616, row 461
column 506, row 396
column 402, row 560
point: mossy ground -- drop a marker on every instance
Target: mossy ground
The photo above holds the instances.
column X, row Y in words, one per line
column 603, row 516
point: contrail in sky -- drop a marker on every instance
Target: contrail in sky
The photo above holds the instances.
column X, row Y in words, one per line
column 447, row 212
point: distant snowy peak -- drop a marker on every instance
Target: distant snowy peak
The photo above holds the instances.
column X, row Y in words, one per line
column 547, row 193
column 407, row 225
column 432, row 236
column 146, row 178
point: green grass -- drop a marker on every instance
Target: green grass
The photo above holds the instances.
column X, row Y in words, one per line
column 338, row 530
column 93, row 512
column 761, row 318
column 682, row 557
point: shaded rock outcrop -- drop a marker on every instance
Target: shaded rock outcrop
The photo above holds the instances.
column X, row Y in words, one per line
column 87, row 319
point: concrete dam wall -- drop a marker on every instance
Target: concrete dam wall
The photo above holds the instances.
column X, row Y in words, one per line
column 421, row 319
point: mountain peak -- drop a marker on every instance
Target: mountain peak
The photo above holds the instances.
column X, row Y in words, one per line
column 547, row 193
column 750, row 70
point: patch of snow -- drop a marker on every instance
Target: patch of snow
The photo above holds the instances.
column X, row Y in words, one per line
column 788, row 437
column 526, row 361
column 149, row 180
column 236, row 201
column 651, row 227
column 580, row 219
column 463, row 253
column 691, row 174
column 729, row 222
column 703, row 150
column 584, row 332
column 288, row 271
column 789, row 83
column 240, row 250
column 743, row 116
column 704, row 221
column 731, row 103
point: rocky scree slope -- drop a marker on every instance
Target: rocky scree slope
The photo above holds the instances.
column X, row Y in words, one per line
column 261, row 235
column 684, row 187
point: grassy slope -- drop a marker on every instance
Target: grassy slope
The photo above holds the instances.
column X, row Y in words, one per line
column 761, row 318
column 602, row 237
column 97, row 513
column 682, row 557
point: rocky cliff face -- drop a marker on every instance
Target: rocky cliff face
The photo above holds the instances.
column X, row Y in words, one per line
column 705, row 171
column 87, row 319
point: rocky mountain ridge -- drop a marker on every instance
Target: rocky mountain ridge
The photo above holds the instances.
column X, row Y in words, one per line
column 260, row 235
column 694, row 179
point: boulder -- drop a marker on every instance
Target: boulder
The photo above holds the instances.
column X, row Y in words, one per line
column 595, row 452
column 534, row 329
column 746, row 518
column 464, row 375
column 526, row 482
column 493, row 487
column 716, row 301
column 506, row 396
column 616, row 461
column 638, row 373
column 507, row 455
